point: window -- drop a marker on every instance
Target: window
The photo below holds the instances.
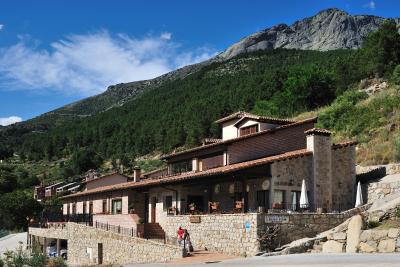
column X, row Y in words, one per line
column 279, row 196
column 104, row 210
column 167, row 203
column 212, row 161
column 182, row 166
column 68, row 209
column 248, row 130
column 84, row 207
column 117, row 206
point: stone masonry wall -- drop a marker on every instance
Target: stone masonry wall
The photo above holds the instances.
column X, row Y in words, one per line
column 351, row 238
column 299, row 225
column 117, row 249
column 237, row 234
column 224, row 233
column 343, row 176
column 322, row 170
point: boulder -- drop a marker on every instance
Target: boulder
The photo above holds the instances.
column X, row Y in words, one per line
column 387, row 245
column 393, row 232
column 383, row 206
column 339, row 236
column 372, row 234
column 368, row 247
column 332, row 246
column 353, row 233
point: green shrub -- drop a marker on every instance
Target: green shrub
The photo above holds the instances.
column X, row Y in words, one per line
column 397, row 212
column 373, row 224
column 38, row 260
column 397, row 153
column 395, row 79
column 21, row 258
column 57, row 262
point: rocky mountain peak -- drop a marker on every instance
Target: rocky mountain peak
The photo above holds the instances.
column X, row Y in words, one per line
column 327, row 30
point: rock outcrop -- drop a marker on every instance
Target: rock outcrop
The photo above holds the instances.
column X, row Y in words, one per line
column 329, row 29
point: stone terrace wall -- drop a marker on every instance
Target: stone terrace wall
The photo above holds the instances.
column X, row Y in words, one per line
column 237, row 234
column 379, row 189
column 117, row 249
column 224, row 233
column 299, row 225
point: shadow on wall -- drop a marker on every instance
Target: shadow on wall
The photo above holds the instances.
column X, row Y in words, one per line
column 368, row 177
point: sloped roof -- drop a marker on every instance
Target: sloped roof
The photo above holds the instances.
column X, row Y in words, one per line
column 105, row 176
column 344, row 144
column 229, row 141
column 196, row 175
column 242, row 114
column 318, row 131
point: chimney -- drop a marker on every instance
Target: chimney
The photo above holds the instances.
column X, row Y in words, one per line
column 136, row 174
column 319, row 142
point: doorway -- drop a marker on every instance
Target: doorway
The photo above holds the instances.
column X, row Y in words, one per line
column 100, row 253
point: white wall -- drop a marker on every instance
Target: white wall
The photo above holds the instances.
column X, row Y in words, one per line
column 228, row 130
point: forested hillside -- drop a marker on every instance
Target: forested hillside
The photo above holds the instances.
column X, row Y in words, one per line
column 180, row 112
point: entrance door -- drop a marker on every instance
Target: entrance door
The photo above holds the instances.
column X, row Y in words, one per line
column 100, row 253
column 153, row 209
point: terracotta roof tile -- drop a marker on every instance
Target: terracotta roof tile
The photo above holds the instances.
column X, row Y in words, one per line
column 195, row 175
column 229, row 141
column 211, row 141
column 318, row 131
column 104, row 176
column 344, row 144
column 242, row 114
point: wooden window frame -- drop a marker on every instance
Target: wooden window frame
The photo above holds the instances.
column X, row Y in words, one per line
column 248, row 130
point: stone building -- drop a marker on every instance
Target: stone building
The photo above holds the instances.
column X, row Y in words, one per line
column 228, row 188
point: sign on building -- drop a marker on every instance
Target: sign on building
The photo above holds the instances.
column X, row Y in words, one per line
column 276, row 219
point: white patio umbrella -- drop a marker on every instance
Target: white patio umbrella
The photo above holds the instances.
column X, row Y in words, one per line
column 303, row 196
column 359, row 198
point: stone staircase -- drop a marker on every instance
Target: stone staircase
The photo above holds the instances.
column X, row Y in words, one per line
column 154, row 231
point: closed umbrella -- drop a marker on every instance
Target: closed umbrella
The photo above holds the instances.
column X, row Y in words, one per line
column 359, row 198
column 303, row 196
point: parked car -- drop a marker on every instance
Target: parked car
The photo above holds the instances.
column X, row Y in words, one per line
column 52, row 251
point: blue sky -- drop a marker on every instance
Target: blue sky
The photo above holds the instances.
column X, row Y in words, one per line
column 55, row 52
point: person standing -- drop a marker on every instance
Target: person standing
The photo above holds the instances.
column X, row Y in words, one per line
column 180, row 234
column 187, row 242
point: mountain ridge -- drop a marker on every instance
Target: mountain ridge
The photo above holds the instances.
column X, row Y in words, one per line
column 283, row 36
column 342, row 31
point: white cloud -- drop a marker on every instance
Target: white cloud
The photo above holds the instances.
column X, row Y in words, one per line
column 1, row 26
column 166, row 36
column 87, row 64
column 9, row 120
column 371, row 5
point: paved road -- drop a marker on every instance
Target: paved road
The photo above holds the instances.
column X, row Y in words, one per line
column 317, row 259
column 11, row 242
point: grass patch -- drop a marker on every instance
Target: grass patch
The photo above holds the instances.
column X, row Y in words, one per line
column 389, row 224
